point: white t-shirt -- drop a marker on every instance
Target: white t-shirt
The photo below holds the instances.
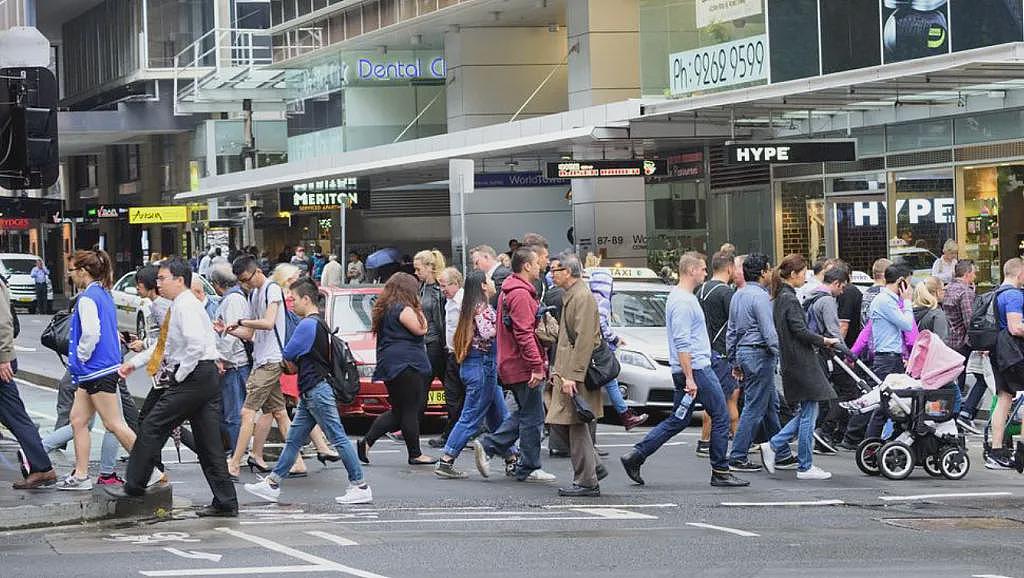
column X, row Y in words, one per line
column 265, row 347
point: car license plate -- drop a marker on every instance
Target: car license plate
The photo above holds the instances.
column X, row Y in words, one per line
column 435, row 397
column 26, row 299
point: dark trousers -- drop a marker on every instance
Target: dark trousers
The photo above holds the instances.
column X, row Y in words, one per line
column 835, row 421
column 147, row 406
column 969, row 407
column 42, row 303
column 406, row 393
column 871, row 424
column 14, row 416
column 454, row 394
column 196, row 399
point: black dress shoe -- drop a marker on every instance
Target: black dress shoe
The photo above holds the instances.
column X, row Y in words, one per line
column 727, row 480
column 361, row 450
column 558, row 454
column 602, row 472
column 632, row 462
column 212, row 512
column 580, row 492
column 601, row 452
column 437, row 442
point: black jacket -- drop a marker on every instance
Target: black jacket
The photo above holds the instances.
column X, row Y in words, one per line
column 803, row 378
column 432, row 301
column 499, row 276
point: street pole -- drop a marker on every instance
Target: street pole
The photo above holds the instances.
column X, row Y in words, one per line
column 462, row 226
column 342, row 224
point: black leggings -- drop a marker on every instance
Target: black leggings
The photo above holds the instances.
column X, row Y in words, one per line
column 405, row 393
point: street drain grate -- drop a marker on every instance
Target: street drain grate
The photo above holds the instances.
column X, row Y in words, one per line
column 965, row 523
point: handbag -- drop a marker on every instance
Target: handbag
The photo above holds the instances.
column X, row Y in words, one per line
column 57, row 335
column 583, row 411
column 603, row 368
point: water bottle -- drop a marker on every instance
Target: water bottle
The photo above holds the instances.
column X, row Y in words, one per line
column 684, row 407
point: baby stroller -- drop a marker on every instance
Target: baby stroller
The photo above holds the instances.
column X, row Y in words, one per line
column 925, row 432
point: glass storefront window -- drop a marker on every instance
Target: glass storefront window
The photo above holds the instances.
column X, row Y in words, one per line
column 858, row 220
column 919, row 135
column 925, row 218
column 981, row 214
column 676, row 221
column 995, row 126
column 802, row 208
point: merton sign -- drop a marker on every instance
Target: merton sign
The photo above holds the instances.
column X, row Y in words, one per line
column 778, row 152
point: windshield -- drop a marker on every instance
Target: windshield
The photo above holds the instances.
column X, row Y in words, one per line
column 916, row 260
column 353, row 313
column 638, row 308
column 19, row 266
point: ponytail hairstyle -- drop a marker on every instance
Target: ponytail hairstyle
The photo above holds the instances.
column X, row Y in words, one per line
column 472, row 297
column 433, row 260
column 97, row 263
column 791, row 264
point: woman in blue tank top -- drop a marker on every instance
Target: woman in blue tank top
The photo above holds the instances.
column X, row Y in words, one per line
column 402, row 364
column 94, row 356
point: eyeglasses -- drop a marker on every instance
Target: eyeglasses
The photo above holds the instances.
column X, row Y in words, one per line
column 247, row 279
column 559, row 269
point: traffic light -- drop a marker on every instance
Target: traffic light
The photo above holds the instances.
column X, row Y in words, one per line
column 29, row 158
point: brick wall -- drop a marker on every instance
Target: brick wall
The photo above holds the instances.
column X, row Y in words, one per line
column 796, row 234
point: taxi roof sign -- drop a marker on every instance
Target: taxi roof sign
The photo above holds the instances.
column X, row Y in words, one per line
column 631, row 273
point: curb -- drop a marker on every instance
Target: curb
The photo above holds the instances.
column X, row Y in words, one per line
column 99, row 507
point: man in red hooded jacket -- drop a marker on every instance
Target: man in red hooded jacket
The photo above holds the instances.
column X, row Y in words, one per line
column 522, row 369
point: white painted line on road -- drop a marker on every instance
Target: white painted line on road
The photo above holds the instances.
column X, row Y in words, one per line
column 194, row 555
column 332, row 538
column 807, row 503
column 989, row 576
column 236, row 571
column 448, row 509
column 30, row 384
column 934, row 496
column 282, row 549
column 509, row 519
column 24, row 349
column 743, row 533
column 573, row 507
column 488, row 513
column 268, row 510
column 615, row 514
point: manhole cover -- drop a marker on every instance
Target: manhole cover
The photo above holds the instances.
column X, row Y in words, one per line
column 976, row 523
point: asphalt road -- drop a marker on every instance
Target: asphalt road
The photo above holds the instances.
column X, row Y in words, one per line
column 419, row 525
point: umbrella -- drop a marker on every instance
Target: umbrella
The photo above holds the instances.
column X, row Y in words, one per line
column 385, row 256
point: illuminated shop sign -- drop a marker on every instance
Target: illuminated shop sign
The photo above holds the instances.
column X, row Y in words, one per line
column 941, row 211
column 19, row 224
column 399, row 69
column 791, row 152
column 606, row 169
column 311, row 201
column 107, row 212
column 148, row 215
column 367, row 68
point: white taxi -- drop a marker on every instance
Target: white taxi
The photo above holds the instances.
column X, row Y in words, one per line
column 130, row 306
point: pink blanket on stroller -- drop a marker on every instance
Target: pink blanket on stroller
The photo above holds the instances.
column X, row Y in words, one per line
column 933, row 362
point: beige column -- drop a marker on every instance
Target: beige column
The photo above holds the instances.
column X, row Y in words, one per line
column 606, row 66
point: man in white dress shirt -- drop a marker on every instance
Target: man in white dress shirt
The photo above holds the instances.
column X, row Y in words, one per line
column 187, row 354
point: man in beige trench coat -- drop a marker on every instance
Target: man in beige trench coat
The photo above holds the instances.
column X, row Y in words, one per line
column 572, row 357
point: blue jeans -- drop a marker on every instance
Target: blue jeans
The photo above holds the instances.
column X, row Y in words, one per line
column 317, row 407
column 760, row 400
column 232, row 391
column 526, row 424
column 484, row 400
column 709, row 392
column 615, row 396
column 802, row 428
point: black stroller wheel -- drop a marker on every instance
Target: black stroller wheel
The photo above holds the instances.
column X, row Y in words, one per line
column 867, row 455
column 932, row 466
column 954, row 463
column 896, row 460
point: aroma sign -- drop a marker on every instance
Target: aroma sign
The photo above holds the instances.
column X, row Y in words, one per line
column 147, row 215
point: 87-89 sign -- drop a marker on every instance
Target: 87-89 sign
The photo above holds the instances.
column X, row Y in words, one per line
column 712, row 67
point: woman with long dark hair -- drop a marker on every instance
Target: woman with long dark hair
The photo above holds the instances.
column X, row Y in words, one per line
column 94, row 356
column 474, row 349
column 803, row 378
column 402, row 365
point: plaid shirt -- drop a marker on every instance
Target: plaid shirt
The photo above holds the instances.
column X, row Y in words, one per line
column 958, row 303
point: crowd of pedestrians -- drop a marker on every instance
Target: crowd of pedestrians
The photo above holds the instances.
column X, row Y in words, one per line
column 516, row 342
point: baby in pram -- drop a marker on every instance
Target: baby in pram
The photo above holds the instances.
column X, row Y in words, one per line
column 924, row 431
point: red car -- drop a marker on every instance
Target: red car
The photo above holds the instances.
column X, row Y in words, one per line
column 350, row 311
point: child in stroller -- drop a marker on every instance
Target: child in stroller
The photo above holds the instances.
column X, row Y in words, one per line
column 924, row 430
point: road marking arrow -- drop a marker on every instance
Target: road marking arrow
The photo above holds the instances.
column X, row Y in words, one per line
column 194, row 555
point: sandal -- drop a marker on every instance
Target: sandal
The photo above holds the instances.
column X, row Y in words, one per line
column 421, row 462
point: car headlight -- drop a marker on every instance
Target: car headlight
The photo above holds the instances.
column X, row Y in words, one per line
column 635, row 358
column 366, row 370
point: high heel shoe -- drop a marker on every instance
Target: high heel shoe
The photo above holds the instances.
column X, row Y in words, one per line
column 176, row 436
column 361, row 449
column 324, row 458
column 254, row 465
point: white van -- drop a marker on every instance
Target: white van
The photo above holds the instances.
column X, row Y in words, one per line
column 15, row 267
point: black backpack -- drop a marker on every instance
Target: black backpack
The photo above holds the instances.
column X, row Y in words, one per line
column 812, row 318
column 343, row 373
column 983, row 330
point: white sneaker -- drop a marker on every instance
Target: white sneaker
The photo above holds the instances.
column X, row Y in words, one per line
column 768, row 457
column 70, row 482
column 155, row 478
column 355, row 495
column 264, row 489
column 540, row 476
column 483, row 461
column 815, row 473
